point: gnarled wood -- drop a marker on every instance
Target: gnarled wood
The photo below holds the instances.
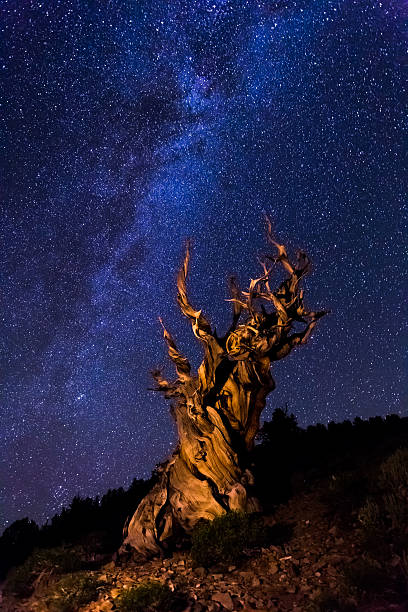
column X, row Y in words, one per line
column 217, row 410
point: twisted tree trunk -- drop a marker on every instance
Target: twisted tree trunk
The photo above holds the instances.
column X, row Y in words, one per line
column 217, row 411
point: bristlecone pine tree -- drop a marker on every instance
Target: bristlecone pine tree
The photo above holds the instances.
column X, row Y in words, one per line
column 217, row 410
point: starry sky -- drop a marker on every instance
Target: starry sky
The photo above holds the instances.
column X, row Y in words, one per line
column 128, row 126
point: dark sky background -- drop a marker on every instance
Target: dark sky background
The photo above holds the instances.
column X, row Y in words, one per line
column 130, row 125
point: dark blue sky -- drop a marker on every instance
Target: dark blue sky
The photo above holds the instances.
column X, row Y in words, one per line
column 131, row 125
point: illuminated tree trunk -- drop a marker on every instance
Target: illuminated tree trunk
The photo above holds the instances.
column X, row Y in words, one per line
column 217, row 410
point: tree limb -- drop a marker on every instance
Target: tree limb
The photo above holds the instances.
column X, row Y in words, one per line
column 200, row 325
column 182, row 364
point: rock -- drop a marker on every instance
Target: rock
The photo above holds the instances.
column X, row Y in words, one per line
column 103, row 578
column 273, row 568
column 256, row 582
column 100, row 606
column 246, row 575
column 201, row 572
column 114, row 593
column 224, row 599
column 109, row 566
column 321, row 563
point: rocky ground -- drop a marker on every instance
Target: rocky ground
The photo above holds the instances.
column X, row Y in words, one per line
column 302, row 573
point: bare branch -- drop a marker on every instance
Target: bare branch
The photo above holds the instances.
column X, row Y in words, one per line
column 168, row 389
column 236, row 302
column 182, row 364
column 200, row 325
column 303, row 336
column 282, row 255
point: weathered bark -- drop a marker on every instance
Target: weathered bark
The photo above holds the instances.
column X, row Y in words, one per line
column 217, row 410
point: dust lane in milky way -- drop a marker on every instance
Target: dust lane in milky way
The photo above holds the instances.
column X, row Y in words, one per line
column 130, row 126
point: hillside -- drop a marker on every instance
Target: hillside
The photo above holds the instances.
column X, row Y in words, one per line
column 333, row 536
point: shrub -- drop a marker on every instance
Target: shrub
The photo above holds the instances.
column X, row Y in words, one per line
column 370, row 516
column 347, row 490
column 328, row 602
column 223, row 539
column 393, row 480
column 54, row 560
column 396, row 509
column 365, row 576
column 74, row 591
column 373, row 530
column 147, row 597
column 394, row 472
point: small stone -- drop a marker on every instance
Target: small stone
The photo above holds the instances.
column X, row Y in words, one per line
column 245, row 575
column 232, row 568
column 273, row 568
column 109, row 566
column 201, row 572
column 105, row 606
column 114, row 593
column 181, row 563
column 256, row 582
column 224, row 599
column 103, row 578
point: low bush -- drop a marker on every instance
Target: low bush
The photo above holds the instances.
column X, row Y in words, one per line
column 394, row 472
column 151, row 596
column 224, row 539
column 365, row 576
column 326, row 601
column 371, row 517
column 347, row 491
column 384, row 516
column 52, row 561
column 74, row 591
column 394, row 483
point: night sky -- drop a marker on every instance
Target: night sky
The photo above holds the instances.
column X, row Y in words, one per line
column 130, row 125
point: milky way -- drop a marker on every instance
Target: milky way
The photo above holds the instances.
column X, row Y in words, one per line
column 132, row 125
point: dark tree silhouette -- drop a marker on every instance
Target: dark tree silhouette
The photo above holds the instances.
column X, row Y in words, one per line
column 16, row 543
column 217, row 410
